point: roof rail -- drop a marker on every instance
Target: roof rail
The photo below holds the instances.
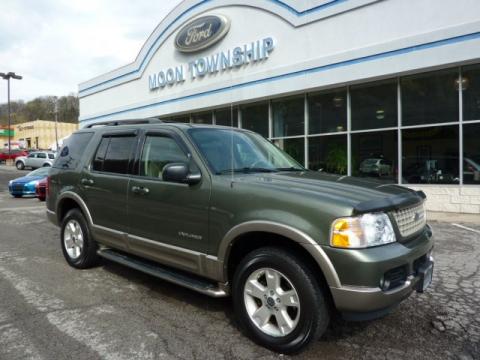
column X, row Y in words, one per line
column 126, row 122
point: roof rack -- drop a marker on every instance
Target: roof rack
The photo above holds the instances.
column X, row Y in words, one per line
column 126, row 122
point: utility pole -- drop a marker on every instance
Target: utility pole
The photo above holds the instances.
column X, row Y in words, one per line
column 8, row 76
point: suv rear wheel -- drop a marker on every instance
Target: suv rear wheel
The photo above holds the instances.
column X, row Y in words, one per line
column 278, row 301
column 79, row 249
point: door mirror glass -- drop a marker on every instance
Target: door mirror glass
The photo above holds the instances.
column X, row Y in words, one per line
column 179, row 173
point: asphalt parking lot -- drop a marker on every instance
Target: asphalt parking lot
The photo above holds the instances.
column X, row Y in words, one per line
column 51, row 311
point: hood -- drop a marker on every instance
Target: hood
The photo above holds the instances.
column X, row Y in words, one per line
column 27, row 179
column 363, row 195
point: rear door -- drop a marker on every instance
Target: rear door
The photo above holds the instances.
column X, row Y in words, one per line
column 105, row 184
column 40, row 159
column 30, row 161
column 164, row 214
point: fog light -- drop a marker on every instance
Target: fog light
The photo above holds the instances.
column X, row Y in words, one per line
column 384, row 284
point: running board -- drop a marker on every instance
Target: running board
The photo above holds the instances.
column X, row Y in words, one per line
column 181, row 278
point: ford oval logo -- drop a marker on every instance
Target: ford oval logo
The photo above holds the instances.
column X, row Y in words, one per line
column 202, row 33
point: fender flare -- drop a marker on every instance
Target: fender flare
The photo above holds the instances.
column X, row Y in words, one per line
column 72, row 196
column 313, row 248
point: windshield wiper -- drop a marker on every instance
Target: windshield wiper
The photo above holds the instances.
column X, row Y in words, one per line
column 247, row 170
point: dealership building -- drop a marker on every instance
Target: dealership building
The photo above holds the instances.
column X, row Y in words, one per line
column 380, row 88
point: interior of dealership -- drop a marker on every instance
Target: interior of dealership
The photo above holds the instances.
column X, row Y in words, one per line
column 422, row 128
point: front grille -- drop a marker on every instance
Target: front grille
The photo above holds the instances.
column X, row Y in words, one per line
column 17, row 188
column 410, row 220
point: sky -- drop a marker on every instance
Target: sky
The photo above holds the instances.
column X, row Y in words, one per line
column 57, row 44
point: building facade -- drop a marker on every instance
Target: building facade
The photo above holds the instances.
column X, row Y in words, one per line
column 380, row 88
column 40, row 134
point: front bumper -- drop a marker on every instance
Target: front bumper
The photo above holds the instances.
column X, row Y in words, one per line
column 21, row 189
column 366, row 303
column 364, row 271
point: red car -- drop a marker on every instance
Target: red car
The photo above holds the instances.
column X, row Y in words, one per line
column 4, row 156
column 41, row 189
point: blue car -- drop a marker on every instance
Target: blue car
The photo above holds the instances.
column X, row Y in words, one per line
column 26, row 184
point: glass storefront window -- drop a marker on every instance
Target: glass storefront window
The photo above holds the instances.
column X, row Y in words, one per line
column 181, row 119
column 327, row 112
column 471, row 93
column 202, row 118
column 293, row 147
column 255, row 118
column 375, row 155
column 288, row 117
column 227, row 117
column 430, row 155
column 374, row 105
column 471, row 151
column 430, row 98
column 328, row 153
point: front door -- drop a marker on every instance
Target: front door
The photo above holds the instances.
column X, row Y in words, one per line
column 105, row 187
column 166, row 217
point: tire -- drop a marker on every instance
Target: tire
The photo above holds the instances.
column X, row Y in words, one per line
column 310, row 317
column 83, row 252
column 20, row 165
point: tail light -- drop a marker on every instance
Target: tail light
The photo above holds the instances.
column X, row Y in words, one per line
column 47, row 187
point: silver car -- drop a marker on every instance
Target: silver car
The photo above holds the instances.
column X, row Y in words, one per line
column 35, row 160
column 375, row 166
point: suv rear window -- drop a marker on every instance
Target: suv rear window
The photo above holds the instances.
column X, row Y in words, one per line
column 72, row 151
column 113, row 154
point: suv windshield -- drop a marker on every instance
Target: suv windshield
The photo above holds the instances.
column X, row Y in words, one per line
column 232, row 150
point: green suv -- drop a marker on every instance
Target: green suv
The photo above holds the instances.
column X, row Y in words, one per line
column 224, row 212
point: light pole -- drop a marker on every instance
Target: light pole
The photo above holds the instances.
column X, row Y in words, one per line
column 8, row 76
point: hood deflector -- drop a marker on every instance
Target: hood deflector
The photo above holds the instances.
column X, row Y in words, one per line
column 389, row 203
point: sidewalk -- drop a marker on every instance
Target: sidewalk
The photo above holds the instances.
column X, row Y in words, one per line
column 453, row 217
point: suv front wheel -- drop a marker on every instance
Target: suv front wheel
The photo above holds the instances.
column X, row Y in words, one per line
column 79, row 249
column 278, row 300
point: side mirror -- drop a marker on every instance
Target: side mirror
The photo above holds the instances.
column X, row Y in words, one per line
column 179, row 173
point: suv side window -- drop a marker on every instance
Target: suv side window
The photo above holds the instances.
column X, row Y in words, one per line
column 113, row 154
column 159, row 151
column 32, row 155
column 41, row 155
column 72, row 151
column 100, row 154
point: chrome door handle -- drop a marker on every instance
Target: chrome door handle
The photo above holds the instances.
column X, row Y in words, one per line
column 87, row 181
column 140, row 190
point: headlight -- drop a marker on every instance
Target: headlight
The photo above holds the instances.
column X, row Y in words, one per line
column 362, row 231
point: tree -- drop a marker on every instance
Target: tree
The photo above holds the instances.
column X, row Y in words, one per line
column 42, row 108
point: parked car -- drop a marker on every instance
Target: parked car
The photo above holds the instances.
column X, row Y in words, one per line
column 471, row 170
column 377, row 167
column 4, row 155
column 41, row 189
column 26, row 185
column 35, row 160
column 225, row 212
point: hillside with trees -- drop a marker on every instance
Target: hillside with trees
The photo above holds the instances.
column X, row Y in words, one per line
column 42, row 108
